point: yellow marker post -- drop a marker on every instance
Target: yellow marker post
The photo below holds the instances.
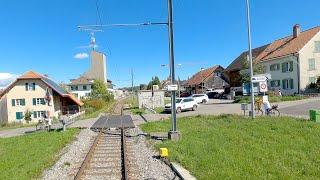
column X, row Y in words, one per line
column 164, row 152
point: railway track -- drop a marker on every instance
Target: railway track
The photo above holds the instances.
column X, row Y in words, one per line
column 110, row 156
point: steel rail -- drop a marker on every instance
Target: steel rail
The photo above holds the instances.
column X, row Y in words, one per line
column 88, row 157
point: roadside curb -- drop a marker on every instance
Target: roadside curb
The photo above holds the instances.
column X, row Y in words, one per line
column 182, row 172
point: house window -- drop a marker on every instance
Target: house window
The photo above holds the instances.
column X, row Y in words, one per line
column 287, row 66
column 312, row 64
column 19, row 115
column 317, row 46
column 18, row 102
column 275, row 83
column 312, row 79
column 39, row 114
column 274, row 67
column 87, row 94
column 287, row 84
column 84, row 87
column 30, row 86
column 37, row 101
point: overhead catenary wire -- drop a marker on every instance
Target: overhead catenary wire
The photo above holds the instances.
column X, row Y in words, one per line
column 98, row 12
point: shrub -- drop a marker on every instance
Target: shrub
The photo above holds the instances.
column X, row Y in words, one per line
column 94, row 104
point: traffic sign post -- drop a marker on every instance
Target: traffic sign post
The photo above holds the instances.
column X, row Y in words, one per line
column 172, row 87
column 263, row 86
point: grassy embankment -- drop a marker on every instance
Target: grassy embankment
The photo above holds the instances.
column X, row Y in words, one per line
column 93, row 108
column 15, row 125
column 272, row 99
column 220, row 147
column 25, row 157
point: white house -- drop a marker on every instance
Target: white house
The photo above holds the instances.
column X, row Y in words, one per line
column 37, row 94
column 292, row 61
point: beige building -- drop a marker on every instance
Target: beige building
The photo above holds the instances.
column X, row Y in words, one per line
column 293, row 61
column 81, row 87
column 98, row 68
column 37, row 94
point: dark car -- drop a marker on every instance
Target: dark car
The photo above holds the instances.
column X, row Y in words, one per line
column 185, row 94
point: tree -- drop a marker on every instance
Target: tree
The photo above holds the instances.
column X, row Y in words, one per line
column 99, row 90
column 143, row 87
column 27, row 116
column 245, row 73
column 155, row 81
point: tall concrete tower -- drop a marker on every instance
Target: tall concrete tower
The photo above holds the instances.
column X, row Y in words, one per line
column 98, row 68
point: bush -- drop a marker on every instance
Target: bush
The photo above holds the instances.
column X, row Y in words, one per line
column 94, row 104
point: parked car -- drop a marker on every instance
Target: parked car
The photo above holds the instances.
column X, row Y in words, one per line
column 185, row 94
column 200, row 98
column 183, row 104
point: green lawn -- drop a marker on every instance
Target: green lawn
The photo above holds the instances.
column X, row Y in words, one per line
column 25, row 157
column 272, row 99
column 220, row 147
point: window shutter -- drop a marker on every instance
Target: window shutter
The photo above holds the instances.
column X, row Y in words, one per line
column 35, row 114
column 34, row 100
column 13, row 102
column 23, row 102
column 291, row 66
column 26, row 86
column 43, row 101
column 18, row 115
column 283, row 84
column 34, row 86
column 283, row 67
column 291, row 84
column 278, row 66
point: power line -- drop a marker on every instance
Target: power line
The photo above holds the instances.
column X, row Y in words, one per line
column 98, row 12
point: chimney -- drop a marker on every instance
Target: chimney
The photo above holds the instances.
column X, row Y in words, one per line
column 296, row 30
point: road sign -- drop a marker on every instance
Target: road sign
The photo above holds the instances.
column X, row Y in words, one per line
column 263, row 86
column 266, row 75
column 256, row 79
column 172, row 87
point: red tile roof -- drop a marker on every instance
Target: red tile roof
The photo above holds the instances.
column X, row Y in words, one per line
column 238, row 63
column 202, row 75
column 31, row 75
column 288, row 45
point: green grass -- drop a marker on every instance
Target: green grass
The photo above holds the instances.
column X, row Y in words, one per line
column 234, row 147
column 96, row 113
column 137, row 111
column 272, row 99
column 25, row 157
column 15, row 126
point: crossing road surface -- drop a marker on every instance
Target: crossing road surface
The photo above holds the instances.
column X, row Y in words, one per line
column 301, row 109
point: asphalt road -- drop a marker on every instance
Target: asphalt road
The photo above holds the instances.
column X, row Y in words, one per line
column 301, row 110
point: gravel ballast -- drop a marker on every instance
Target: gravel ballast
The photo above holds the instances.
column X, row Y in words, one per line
column 144, row 163
column 149, row 166
column 71, row 157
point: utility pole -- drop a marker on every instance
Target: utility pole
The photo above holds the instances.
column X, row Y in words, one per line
column 173, row 134
column 132, row 81
column 250, row 58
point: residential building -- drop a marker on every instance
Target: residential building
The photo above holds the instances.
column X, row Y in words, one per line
column 211, row 78
column 81, row 87
column 37, row 94
column 293, row 61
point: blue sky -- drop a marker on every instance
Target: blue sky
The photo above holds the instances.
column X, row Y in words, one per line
column 42, row 35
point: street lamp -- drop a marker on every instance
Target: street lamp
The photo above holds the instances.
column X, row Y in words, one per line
column 250, row 58
column 202, row 84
